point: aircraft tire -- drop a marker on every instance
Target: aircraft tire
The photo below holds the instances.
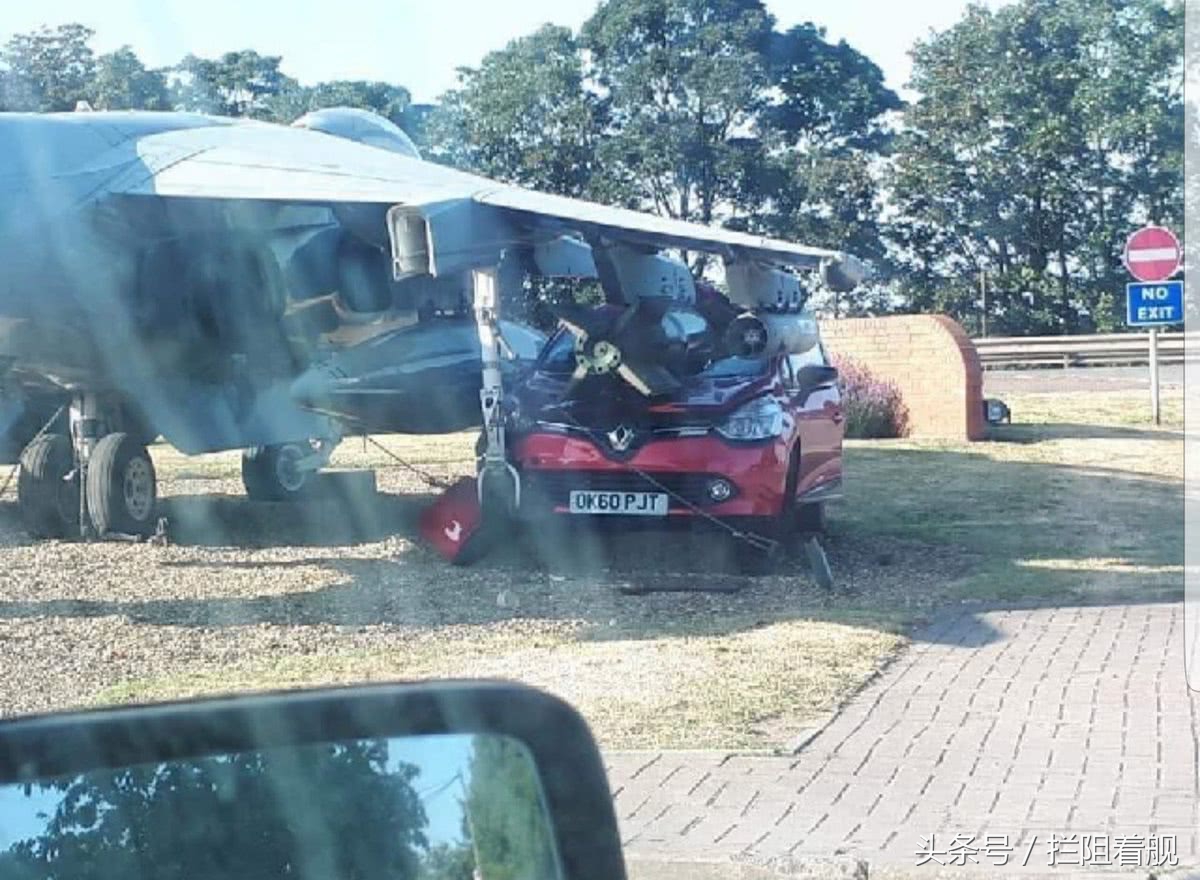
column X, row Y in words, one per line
column 121, row 486
column 48, row 503
column 266, row 476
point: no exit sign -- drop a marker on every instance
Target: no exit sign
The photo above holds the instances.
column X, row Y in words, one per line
column 1154, row 304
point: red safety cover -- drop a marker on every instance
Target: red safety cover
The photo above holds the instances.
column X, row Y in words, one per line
column 452, row 524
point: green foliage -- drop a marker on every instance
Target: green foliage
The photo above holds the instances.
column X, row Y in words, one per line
column 506, row 816
column 247, row 815
column 448, row 862
column 693, row 109
column 833, row 96
column 122, row 82
column 821, row 183
column 240, row 83
column 1046, row 132
column 390, row 101
column 522, row 116
column 47, row 70
column 686, row 84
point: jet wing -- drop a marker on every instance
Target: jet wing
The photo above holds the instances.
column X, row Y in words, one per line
column 467, row 218
column 542, row 211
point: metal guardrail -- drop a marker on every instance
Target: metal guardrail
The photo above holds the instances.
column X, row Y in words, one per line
column 1107, row 349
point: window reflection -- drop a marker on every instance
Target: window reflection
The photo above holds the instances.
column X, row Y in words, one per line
column 437, row 808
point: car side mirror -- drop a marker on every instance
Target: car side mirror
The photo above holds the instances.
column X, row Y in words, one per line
column 814, row 376
column 437, row 780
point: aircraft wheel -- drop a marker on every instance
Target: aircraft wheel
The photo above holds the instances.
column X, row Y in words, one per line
column 271, row 473
column 121, row 486
column 48, row 502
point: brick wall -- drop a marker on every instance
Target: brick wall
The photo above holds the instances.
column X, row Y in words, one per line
column 931, row 360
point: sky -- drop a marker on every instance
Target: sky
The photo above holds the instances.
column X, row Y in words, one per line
column 420, row 44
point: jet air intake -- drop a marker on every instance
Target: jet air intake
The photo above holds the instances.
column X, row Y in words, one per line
column 766, row 334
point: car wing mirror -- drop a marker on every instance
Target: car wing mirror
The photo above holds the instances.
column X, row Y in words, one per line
column 813, row 377
column 435, row 780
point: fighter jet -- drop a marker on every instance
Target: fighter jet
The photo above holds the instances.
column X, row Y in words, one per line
column 233, row 284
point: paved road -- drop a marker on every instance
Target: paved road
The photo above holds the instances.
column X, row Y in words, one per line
column 1075, row 379
column 1010, row 723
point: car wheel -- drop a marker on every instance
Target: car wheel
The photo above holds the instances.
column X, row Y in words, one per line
column 48, row 502
column 758, row 560
column 810, row 518
column 270, row 473
column 121, row 486
column 752, row 558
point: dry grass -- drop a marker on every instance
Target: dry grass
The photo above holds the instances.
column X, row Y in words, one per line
column 255, row 596
column 745, row 689
column 1074, row 499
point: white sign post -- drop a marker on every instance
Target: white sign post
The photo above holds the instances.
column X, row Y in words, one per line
column 1152, row 255
column 1155, row 412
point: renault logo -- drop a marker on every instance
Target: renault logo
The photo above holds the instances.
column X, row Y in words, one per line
column 620, row 437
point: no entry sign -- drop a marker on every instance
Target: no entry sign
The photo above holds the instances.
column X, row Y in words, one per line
column 1152, row 254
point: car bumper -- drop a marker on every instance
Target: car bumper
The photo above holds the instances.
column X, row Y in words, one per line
column 552, row 465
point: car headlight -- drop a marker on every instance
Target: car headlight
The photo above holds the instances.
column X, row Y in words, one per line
column 760, row 419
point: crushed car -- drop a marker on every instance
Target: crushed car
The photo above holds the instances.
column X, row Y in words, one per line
column 748, row 442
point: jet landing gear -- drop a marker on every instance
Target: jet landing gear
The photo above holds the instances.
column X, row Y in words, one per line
column 498, row 482
column 48, row 488
column 284, row 472
column 119, row 486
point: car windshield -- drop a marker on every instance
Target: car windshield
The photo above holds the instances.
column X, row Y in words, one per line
column 858, row 538
column 683, row 327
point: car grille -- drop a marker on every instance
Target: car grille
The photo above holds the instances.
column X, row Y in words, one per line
column 555, row 486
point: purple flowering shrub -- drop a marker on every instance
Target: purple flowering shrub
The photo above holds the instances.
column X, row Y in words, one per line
column 873, row 406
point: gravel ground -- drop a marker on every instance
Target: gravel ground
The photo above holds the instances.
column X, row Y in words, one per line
column 251, row 595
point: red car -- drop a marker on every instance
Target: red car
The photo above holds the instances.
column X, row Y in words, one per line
column 753, row 442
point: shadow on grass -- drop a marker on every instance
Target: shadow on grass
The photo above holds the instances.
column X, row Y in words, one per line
column 921, row 528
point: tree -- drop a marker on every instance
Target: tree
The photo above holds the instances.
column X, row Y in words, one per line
column 716, row 117
column 832, row 97
column 47, row 70
column 122, row 82
column 506, row 816
column 522, row 116
column 828, row 128
column 685, row 81
column 1045, row 132
column 388, row 100
column 448, row 862
column 251, row 815
column 237, row 84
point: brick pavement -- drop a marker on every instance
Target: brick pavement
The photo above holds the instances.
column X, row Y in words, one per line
column 1023, row 723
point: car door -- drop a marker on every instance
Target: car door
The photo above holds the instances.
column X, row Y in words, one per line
column 820, row 419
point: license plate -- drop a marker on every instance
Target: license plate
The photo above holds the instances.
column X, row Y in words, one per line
column 623, row 503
